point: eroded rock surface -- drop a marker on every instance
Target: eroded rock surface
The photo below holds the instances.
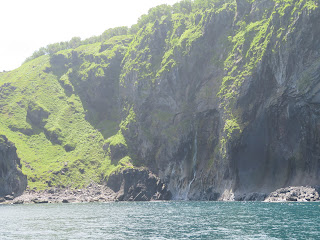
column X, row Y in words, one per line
column 12, row 181
column 138, row 185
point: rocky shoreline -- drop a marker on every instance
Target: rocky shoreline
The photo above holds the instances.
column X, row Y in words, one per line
column 126, row 185
column 92, row 193
column 294, row 194
column 103, row 193
column 286, row 194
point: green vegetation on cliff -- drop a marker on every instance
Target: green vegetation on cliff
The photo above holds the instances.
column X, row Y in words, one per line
column 76, row 110
column 51, row 111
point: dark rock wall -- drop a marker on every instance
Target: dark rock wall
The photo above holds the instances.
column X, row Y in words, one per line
column 138, row 185
column 180, row 132
column 12, row 181
column 178, row 122
column 279, row 145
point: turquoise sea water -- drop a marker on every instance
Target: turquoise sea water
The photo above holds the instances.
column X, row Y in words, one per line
column 161, row 220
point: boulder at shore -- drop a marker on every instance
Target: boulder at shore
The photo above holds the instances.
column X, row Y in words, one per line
column 294, row 194
column 138, row 185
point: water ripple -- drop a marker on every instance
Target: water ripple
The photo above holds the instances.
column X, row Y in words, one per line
column 161, row 220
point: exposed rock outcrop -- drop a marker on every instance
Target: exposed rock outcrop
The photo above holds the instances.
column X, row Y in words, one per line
column 37, row 114
column 138, row 185
column 12, row 181
column 239, row 111
column 294, row 194
column 92, row 193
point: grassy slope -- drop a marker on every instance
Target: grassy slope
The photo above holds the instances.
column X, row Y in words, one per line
column 46, row 161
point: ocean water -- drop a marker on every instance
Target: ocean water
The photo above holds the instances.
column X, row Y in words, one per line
column 161, row 220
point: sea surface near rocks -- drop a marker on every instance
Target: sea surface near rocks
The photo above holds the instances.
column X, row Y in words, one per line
column 161, row 220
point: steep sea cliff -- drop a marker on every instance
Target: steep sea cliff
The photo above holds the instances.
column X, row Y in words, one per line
column 219, row 99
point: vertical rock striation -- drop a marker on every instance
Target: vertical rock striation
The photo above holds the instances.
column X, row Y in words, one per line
column 12, row 181
column 243, row 97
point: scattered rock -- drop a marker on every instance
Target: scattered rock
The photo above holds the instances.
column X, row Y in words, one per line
column 18, row 202
column 292, row 198
column 43, row 201
column 294, row 194
column 8, row 197
column 93, row 193
column 254, row 196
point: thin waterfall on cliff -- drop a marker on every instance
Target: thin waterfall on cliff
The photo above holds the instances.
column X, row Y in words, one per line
column 194, row 163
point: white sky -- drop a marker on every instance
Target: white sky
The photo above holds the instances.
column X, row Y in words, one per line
column 27, row 25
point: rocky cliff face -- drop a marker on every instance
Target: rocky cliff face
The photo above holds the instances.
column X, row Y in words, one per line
column 238, row 110
column 12, row 181
column 219, row 99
